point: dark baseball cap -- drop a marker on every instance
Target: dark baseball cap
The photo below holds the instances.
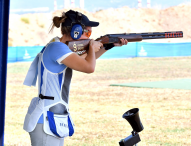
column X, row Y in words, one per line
column 72, row 18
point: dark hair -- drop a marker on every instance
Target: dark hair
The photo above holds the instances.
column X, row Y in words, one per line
column 57, row 21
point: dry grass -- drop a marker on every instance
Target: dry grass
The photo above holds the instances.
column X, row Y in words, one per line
column 97, row 108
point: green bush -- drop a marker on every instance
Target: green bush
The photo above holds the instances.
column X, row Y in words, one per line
column 25, row 20
column 42, row 25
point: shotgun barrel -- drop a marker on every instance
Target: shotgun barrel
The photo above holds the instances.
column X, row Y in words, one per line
column 152, row 35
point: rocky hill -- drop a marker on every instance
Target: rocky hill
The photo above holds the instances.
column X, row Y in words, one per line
column 33, row 29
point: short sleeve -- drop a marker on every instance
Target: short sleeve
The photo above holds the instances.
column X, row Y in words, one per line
column 58, row 50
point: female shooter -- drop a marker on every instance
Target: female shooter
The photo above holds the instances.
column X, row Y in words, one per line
column 48, row 119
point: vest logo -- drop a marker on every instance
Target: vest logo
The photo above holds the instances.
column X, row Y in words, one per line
column 63, row 125
column 26, row 56
column 142, row 52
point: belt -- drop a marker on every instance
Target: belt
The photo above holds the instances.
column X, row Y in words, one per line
column 46, row 97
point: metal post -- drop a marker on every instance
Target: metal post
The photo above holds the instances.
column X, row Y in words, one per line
column 148, row 3
column 139, row 3
column 67, row 4
column 55, row 5
column 82, row 4
column 134, row 133
column 72, row 3
column 4, row 25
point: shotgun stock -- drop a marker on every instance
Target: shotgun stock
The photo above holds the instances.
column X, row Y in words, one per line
column 82, row 46
column 79, row 46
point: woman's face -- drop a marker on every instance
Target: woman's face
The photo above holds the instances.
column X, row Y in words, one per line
column 87, row 33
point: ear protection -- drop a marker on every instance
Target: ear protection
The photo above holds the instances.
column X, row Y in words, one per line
column 77, row 27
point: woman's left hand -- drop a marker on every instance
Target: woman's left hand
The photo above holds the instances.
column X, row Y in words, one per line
column 123, row 42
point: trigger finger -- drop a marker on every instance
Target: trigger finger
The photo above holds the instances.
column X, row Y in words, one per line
column 122, row 41
column 125, row 41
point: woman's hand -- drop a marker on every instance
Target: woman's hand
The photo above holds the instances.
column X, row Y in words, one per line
column 123, row 42
column 95, row 45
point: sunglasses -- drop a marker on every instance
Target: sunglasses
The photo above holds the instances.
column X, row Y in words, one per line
column 87, row 32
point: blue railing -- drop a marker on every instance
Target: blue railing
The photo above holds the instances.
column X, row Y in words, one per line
column 137, row 49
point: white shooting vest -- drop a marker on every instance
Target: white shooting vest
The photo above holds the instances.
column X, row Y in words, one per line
column 56, row 116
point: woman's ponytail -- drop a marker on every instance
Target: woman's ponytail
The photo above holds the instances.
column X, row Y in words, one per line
column 57, row 21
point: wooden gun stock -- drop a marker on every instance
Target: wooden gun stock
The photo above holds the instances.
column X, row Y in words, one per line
column 82, row 46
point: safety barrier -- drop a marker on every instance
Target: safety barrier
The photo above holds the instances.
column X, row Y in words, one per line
column 22, row 53
column 137, row 49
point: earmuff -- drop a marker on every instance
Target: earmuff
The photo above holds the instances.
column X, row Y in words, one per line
column 77, row 27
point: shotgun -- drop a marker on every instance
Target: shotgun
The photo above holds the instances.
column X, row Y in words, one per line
column 82, row 46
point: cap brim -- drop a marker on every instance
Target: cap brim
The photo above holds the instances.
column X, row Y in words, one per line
column 92, row 24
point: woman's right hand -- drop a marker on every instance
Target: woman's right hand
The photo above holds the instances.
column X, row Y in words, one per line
column 95, row 45
column 86, row 64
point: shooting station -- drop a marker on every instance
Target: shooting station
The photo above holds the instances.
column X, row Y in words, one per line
column 132, row 116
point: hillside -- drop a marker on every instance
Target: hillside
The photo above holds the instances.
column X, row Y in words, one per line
column 32, row 29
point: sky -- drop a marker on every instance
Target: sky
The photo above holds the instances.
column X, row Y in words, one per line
column 93, row 5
